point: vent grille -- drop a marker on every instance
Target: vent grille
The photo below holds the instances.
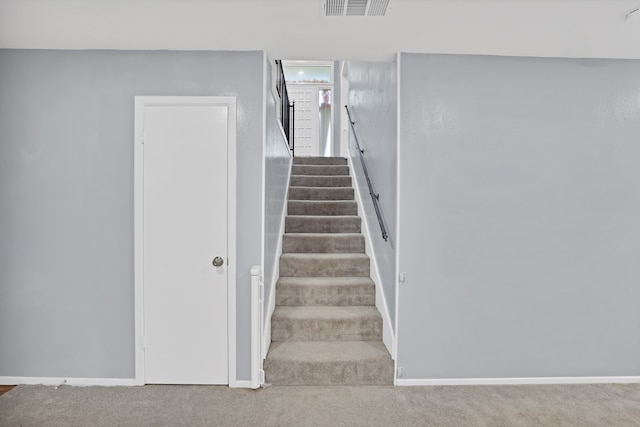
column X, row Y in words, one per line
column 378, row 7
column 334, row 7
column 355, row 7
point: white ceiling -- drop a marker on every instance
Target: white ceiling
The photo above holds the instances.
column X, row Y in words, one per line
column 295, row 29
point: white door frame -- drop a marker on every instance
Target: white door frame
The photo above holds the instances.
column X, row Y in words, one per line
column 140, row 103
column 315, row 89
column 334, row 104
column 345, row 132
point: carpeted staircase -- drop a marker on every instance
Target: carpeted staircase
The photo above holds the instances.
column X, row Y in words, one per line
column 325, row 329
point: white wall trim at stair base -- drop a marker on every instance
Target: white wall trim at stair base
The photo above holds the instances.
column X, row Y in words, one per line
column 388, row 337
column 518, row 381
column 257, row 307
column 57, row 381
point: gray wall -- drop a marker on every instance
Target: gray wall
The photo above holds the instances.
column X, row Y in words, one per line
column 277, row 170
column 519, row 217
column 373, row 104
column 66, row 191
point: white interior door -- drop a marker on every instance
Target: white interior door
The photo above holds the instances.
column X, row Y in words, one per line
column 306, row 119
column 184, row 229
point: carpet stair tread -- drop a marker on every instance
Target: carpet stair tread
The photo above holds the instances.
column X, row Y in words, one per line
column 329, row 363
column 326, row 312
column 326, row 281
column 324, row 264
column 321, row 193
column 322, row 207
column 326, row 323
column 323, row 224
column 302, row 291
column 319, row 160
column 323, row 243
column 319, row 170
column 320, row 181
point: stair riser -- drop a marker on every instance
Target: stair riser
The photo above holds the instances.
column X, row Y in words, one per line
column 359, row 329
column 343, row 295
column 324, row 268
column 319, row 170
column 319, row 161
column 322, row 374
column 320, row 181
column 301, row 224
column 301, row 243
column 320, row 193
column 330, row 208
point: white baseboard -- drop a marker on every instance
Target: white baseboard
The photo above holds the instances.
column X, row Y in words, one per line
column 518, row 381
column 242, row 384
column 87, row 382
column 388, row 337
column 57, row 381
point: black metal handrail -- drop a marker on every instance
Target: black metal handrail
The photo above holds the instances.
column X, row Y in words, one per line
column 287, row 109
column 374, row 197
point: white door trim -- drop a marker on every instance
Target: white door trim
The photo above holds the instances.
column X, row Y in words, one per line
column 345, row 130
column 140, row 103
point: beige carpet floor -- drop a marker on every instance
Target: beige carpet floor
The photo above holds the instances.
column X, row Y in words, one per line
column 547, row 405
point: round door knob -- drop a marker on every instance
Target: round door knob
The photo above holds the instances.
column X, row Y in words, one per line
column 218, row 261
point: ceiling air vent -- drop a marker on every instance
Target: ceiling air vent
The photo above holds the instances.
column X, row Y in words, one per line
column 355, row 7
